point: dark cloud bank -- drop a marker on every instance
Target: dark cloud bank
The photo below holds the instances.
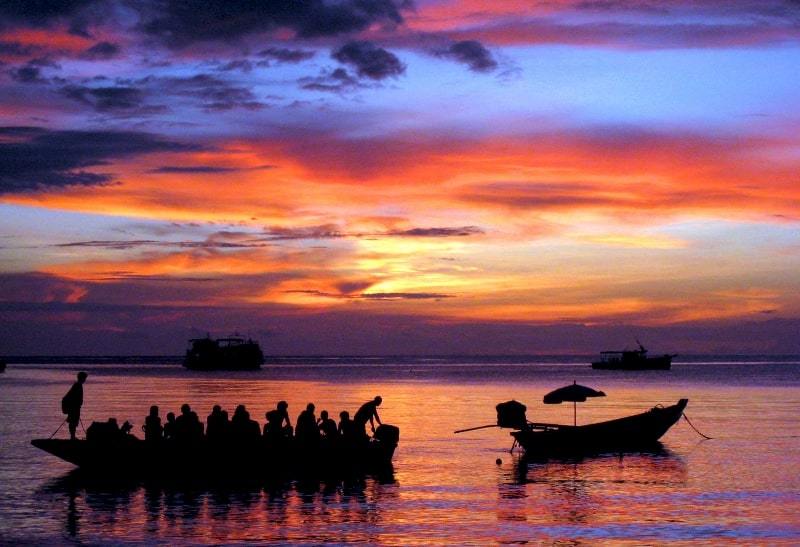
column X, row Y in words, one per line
column 33, row 303
column 33, row 158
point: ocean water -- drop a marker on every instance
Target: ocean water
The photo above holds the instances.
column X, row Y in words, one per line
column 741, row 487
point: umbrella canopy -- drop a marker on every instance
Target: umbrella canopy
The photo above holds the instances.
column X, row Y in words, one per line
column 574, row 393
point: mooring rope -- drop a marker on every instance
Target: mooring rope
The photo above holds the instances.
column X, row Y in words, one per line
column 693, row 427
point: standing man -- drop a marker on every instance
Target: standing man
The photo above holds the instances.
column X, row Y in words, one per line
column 368, row 413
column 72, row 402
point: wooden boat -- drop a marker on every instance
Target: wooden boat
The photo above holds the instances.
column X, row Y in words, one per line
column 623, row 434
column 127, row 455
column 232, row 353
column 635, row 359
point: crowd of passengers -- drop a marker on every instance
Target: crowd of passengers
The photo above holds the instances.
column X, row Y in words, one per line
column 187, row 427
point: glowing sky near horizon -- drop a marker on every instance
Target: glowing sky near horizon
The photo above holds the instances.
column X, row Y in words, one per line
column 597, row 163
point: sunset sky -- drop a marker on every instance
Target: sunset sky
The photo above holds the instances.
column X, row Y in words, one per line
column 381, row 176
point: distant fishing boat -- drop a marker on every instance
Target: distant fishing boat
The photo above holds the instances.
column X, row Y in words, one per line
column 635, row 359
column 232, row 353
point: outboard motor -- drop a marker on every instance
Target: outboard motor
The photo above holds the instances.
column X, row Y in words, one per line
column 511, row 414
column 388, row 434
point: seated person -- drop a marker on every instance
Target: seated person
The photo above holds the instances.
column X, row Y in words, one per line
column 307, row 431
column 153, row 431
column 188, row 427
column 169, row 427
column 278, row 425
column 327, row 427
column 242, row 428
column 217, row 424
column 347, row 427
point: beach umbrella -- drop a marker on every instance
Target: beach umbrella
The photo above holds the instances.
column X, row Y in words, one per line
column 574, row 393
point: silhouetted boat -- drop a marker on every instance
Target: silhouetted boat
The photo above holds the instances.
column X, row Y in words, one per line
column 232, row 353
column 634, row 359
column 129, row 456
column 2, row 366
column 623, row 434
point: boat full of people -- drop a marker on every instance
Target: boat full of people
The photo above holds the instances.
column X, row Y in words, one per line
column 236, row 447
column 231, row 353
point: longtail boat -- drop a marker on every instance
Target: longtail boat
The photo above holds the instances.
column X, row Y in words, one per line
column 623, row 434
column 131, row 456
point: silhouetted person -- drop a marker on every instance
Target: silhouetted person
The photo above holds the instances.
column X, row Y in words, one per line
column 72, row 402
column 368, row 413
column 216, row 424
column 112, row 429
column 326, row 426
column 347, row 427
column 153, row 432
column 278, row 426
column 188, row 427
column 283, row 412
column 169, row 427
column 243, row 429
column 307, row 431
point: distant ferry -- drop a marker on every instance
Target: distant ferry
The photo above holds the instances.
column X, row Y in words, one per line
column 232, row 353
column 635, row 359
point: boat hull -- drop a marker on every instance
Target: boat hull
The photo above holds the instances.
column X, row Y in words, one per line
column 648, row 363
column 623, row 434
column 134, row 457
column 209, row 354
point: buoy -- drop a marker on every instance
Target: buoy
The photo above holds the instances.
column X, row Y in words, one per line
column 498, row 461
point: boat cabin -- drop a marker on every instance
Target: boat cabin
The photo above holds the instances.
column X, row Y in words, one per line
column 624, row 355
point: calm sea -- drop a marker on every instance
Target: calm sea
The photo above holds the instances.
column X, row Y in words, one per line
column 741, row 487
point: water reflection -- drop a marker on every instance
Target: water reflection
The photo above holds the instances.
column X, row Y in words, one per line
column 576, row 491
column 92, row 507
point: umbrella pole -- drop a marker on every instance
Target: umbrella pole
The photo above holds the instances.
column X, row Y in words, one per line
column 574, row 413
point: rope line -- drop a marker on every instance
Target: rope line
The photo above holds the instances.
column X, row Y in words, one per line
column 693, row 427
column 59, row 429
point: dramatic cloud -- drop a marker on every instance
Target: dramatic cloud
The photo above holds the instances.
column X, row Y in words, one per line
column 326, row 231
column 438, row 232
column 201, row 169
column 28, row 74
column 16, row 49
column 375, row 296
column 471, row 53
column 336, row 81
column 40, row 12
column 213, row 93
column 329, row 231
column 652, row 146
column 101, row 51
column 369, row 60
column 286, row 55
column 106, row 99
column 180, row 23
column 33, row 158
